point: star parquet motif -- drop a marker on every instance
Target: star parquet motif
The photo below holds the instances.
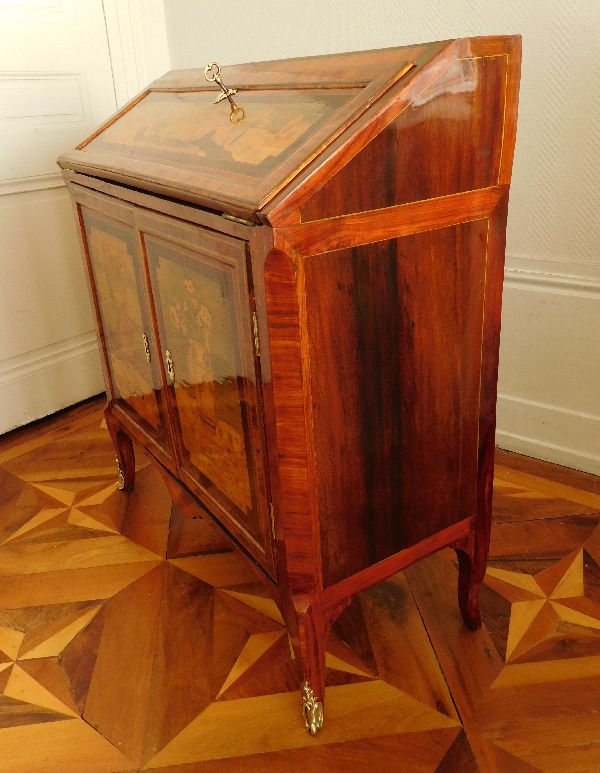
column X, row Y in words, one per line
column 132, row 638
column 550, row 612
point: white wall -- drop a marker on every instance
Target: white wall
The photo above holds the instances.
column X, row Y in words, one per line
column 65, row 66
column 549, row 403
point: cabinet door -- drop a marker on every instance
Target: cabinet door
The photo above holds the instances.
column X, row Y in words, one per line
column 132, row 365
column 204, row 310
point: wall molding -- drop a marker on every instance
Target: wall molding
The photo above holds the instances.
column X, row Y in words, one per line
column 24, row 365
column 549, row 452
column 547, row 282
column 44, row 381
column 42, row 113
column 137, row 40
column 39, row 10
column 40, row 182
column 548, row 407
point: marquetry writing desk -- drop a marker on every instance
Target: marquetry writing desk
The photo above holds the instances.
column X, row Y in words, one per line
column 297, row 292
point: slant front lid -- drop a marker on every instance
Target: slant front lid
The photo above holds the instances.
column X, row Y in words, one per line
column 175, row 139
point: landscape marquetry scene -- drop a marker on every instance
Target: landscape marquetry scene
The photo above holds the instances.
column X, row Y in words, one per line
column 188, row 130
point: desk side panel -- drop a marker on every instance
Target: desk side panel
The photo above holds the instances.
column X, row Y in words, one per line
column 395, row 332
column 450, row 139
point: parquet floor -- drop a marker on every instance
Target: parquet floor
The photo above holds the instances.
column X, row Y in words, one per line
column 130, row 639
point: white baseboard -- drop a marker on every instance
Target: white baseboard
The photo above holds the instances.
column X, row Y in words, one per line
column 549, row 385
column 549, row 432
column 42, row 382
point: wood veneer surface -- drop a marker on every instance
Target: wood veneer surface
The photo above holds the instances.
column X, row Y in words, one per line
column 131, row 638
column 409, row 377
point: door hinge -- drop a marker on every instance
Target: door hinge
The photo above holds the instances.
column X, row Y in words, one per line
column 147, row 348
column 255, row 333
column 272, row 516
column 239, row 220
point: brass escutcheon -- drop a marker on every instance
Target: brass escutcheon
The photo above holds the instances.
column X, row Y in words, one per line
column 170, row 366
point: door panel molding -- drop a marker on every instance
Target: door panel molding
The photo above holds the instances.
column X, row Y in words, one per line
column 40, row 113
column 137, row 38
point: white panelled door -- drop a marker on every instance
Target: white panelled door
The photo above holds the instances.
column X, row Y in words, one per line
column 56, row 84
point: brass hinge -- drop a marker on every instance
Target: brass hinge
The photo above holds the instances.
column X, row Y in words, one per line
column 147, row 347
column 239, row 220
column 255, row 333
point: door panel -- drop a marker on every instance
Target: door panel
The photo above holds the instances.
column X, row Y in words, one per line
column 56, row 85
column 200, row 291
column 132, row 359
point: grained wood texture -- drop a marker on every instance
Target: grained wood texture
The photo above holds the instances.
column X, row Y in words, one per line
column 118, row 653
column 395, row 332
column 285, row 208
column 338, row 233
column 456, row 119
column 319, row 379
column 359, row 78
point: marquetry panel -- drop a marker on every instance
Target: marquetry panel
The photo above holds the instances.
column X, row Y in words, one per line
column 126, row 325
column 118, row 654
column 173, row 133
column 395, row 390
column 205, row 323
column 188, row 130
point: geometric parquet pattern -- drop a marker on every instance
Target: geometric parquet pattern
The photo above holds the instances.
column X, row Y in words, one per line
column 132, row 639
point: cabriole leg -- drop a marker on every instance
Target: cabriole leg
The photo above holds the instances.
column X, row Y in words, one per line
column 125, row 455
column 312, row 625
column 473, row 552
column 470, row 578
column 312, row 634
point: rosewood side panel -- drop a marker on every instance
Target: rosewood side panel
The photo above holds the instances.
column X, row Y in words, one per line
column 395, row 385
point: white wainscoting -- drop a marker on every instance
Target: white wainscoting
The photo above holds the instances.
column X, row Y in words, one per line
column 65, row 67
column 48, row 354
column 38, row 383
column 549, row 383
column 41, row 114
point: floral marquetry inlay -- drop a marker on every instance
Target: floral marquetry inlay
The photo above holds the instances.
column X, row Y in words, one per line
column 200, row 327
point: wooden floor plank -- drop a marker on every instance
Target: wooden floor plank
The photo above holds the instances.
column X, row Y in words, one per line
column 117, row 701
column 552, row 488
column 180, row 662
column 469, row 659
column 414, row 752
column 70, row 746
column 98, row 582
column 50, row 437
column 61, row 420
column 545, row 470
column 273, row 722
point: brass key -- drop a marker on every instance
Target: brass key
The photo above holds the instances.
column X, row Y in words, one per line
column 212, row 73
